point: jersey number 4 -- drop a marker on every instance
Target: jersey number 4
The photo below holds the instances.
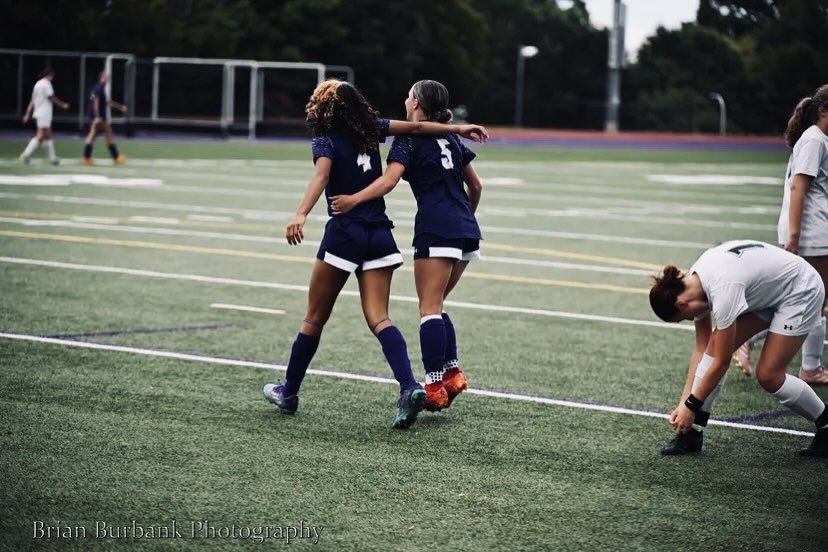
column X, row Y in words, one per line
column 445, row 153
column 364, row 161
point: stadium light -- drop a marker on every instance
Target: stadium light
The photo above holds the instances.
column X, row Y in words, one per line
column 722, row 111
column 523, row 53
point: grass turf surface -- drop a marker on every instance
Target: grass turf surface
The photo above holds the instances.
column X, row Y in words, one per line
column 105, row 436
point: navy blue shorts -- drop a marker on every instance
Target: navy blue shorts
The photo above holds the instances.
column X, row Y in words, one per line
column 351, row 246
column 428, row 246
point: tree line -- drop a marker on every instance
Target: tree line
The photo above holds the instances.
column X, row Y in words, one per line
column 762, row 56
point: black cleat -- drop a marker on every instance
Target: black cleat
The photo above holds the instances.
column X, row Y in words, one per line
column 684, row 443
column 819, row 446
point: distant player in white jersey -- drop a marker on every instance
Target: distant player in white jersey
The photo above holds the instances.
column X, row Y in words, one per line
column 732, row 292
column 43, row 96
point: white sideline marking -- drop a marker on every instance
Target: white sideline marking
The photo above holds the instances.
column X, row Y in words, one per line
column 344, row 292
column 375, row 379
column 246, row 308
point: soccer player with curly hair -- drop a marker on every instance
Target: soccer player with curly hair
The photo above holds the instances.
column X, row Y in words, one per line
column 345, row 146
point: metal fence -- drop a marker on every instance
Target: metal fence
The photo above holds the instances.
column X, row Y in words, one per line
column 229, row 95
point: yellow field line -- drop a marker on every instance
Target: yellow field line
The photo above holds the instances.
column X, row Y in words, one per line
column 613, row 261
column 298, row 259
column 575, row 256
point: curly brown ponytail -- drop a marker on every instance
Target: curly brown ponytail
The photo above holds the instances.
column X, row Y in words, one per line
column 337, row 105
column 805, row 114
column 665, row 291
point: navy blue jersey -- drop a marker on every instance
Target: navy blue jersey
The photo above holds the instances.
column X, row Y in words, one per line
column 352, row 172
column 98, row 91
column 434, row 169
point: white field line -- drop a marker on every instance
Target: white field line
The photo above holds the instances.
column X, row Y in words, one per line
column 286, row 216
column 374, row 379
column 258, row 214
column 344, row 292
column 246, row 308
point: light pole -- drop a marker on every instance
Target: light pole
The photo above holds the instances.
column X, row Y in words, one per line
column 523, row 53
column 722, row 112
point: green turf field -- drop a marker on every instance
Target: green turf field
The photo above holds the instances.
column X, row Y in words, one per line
column 131, row 373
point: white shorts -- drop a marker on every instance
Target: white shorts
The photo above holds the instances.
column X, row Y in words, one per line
column 801, row 311
column 811, row 251
column 44, row 120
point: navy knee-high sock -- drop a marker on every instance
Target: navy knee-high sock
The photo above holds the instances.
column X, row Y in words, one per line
column 113, row 151
column 301, row 354
column 450, row 360
column 87, row 150
column 396, row 352
column 433, row 346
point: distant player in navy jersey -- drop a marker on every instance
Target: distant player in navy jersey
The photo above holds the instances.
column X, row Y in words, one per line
column 347, row 133
column 733, row 291
column 446, row 233
column 99, row 105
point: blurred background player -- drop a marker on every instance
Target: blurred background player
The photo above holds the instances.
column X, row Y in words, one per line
column 43, row 97
column 803, row 219
column 733, row 291
column 99, row 105
column 446, row 233
column 347, row 132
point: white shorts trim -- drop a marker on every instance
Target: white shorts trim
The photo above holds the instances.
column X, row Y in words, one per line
column 471, row 255
column 394, row 259
column 445, row 252
column 340, row 263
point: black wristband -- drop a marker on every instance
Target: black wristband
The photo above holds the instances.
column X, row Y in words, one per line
column 693, row 403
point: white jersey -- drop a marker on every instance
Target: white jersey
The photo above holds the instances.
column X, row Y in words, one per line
column 42, row 98
column 809, row 157
column 744, row 276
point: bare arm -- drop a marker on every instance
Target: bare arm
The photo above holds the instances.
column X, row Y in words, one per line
column 58, row 102
column 722, row 347
column 471, row 132
column 473, row 186
column 28, row 112
column 378, row 188
column 799, row 187
column 119, row 106
column 316, row 186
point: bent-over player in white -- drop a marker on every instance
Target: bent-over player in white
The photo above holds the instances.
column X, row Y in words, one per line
column 733, row 291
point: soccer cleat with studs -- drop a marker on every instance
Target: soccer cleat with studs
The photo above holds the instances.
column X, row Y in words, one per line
column 819, row 444
column 275, row 394
column 409, row 405
column 814, row 377
column 436, row 396
column 120, row 160
column 454, row 382
column 684, row 443
column 88, row 161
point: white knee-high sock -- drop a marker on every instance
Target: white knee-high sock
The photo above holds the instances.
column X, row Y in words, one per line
column 701, row 369
column 50, row 148
column 704, row 365
column 30, row 147
column 799, row 397
column 812, row 348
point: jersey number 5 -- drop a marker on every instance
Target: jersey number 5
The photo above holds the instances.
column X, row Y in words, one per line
column 445, row 153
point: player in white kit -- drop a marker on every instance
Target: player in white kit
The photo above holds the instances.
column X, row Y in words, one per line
column 733, row 291
column 803, row 220
column 43, row 96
